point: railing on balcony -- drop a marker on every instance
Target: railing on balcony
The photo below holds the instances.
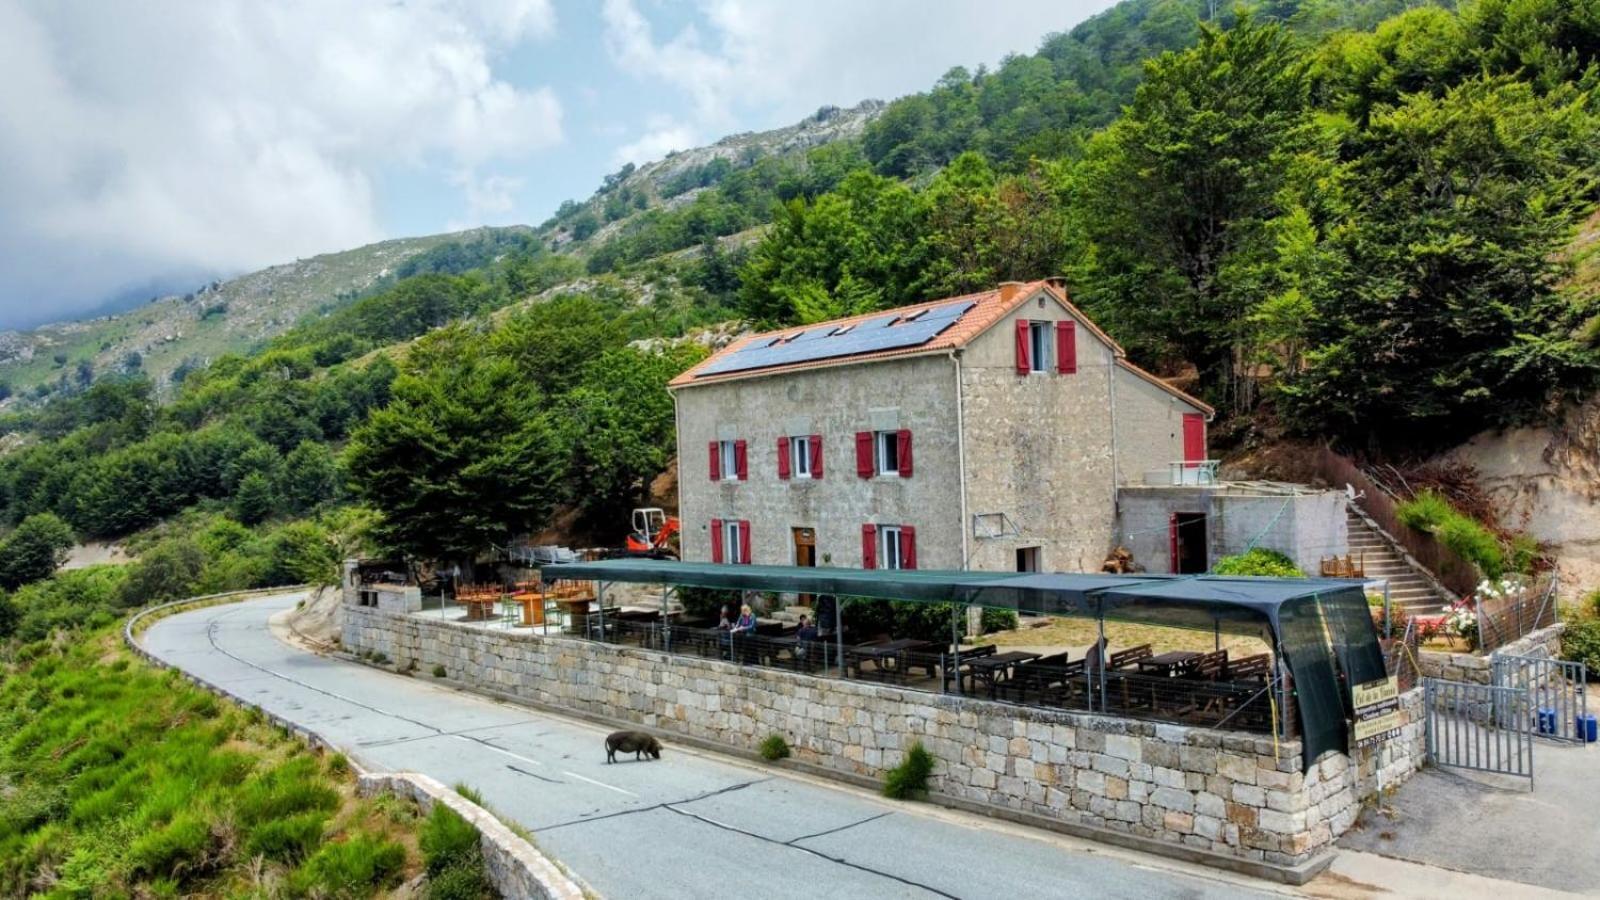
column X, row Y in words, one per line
column 1457, row 575
column 1192, row 472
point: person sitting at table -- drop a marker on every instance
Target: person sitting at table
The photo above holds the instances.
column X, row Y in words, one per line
column 746, row 623
column 728, row 617
column 806, row 630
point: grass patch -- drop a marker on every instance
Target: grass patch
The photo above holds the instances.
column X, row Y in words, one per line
column 117, row 779
column 774, row 748
column 1429, row 511
column 909, row 780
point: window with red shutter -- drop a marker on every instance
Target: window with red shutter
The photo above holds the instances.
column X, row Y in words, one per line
column 904, row 441
column 1067, row 347
column 908, row 547
column 783, row 459
column 864, row 466
column 716, row 540
column 816, row 455
column 741, row 461
column 869, row 546
column 716, row 460
column 1024, row 362
column 744, row 541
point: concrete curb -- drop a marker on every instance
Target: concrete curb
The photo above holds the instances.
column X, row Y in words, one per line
column 515, row 866
column 1290, row 875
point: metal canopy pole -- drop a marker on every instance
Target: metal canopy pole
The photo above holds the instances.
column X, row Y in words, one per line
column 666, row 623
column 1102, row 652
column 600, row 604
column 838, row 633
column 1216, row 632
column 955, row 648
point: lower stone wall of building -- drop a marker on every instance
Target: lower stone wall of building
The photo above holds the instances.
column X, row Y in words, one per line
column 1477, row 669
column 1242, row 795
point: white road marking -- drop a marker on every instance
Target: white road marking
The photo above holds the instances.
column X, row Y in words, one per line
column 598, row 783
column 486, row 746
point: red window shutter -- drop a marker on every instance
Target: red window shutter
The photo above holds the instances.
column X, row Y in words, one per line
column 741, row 466
column 869, row 546
column 783, row 458
column 864, row 467
column 716, row 540
column 1067, row 347
column 908, row 547
column 816, row 455
column 716, row 462
column 1024, row 366
column 744, row 541
column 904, row 439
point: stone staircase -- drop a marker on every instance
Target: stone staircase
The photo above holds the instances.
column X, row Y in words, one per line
column 1409, row 589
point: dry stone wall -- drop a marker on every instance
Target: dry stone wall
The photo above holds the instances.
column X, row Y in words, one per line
column 1477, row 669
column 1231, row 793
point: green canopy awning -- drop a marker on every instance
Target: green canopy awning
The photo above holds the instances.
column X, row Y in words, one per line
column 1320, row 626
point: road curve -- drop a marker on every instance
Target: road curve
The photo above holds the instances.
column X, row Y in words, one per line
column 690, row 825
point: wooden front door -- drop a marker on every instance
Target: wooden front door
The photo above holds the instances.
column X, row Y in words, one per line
column 1194, row 437
column 805, row 553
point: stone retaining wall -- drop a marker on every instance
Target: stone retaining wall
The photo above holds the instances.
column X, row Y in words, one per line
column 1476, row 669
column 514, row 866
column 1228, row 793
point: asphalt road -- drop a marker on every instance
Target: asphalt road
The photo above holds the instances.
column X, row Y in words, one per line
column 688, row 825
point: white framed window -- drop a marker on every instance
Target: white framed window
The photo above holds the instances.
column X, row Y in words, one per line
column 887, row 452
column 729, row 459
column 1039, row 346
column 800, row 456
column 889, row 547
column 732, row 541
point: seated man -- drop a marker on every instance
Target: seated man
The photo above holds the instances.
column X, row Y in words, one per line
column 806, row 631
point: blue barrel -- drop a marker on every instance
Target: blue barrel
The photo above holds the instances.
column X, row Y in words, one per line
column 1587, row 728
column 1547, row 720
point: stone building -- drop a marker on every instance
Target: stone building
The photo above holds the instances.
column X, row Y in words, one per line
column 991, row 431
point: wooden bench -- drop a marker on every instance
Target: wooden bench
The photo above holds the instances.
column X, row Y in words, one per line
column 1209, row 667
column 1122, row 659
column 1034, row 675
column 952, row 663
column 1257, row 667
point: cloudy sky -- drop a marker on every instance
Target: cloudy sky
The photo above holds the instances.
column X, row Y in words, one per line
column 148, row 143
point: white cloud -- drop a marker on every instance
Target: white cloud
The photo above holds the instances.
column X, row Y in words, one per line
column 161, row 137
column 786, row 58
column 662, row 136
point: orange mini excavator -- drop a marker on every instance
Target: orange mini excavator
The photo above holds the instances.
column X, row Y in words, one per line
column 653, row 531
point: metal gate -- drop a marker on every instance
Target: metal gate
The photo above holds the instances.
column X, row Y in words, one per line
column 1556, row 688
column 1478, row 726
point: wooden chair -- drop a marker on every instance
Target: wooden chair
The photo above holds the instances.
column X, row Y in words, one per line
column 955, row 663
column 1130, row 657
column 1034, row 675
column 1208, row 667
column 1251, row 668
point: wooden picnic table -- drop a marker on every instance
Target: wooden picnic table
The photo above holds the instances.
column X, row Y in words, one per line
column 883, row 652
column 1168, row 664
column 992, row 670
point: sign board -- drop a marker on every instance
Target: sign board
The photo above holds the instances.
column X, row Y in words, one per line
column 1377, row 706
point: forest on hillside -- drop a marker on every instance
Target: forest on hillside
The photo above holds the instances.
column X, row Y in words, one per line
column 1329, row 222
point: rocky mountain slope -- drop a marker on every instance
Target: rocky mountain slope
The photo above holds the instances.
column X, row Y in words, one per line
column 220, row 317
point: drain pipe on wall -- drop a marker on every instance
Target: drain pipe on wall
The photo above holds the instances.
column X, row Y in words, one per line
column 1111, row 401
column 961, row 458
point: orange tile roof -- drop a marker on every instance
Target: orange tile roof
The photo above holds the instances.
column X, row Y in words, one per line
column 987, row 310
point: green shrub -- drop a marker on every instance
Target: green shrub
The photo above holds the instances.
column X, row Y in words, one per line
column 351, row 868
column 1475, row 543
column 1580, row 642
column 289, row 839
column 1258, row 561
column 438, row 670
column 774, row 748
column 338, row 764
column 1525, row 553
column 909, row 780
column 1429, row 511
column 462, row 882
column 447, row 840
column 380, row 658
column 1590, row 605
column 1426, row 511
column 180, row 843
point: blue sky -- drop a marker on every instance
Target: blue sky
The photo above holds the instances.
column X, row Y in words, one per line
column 176, row 140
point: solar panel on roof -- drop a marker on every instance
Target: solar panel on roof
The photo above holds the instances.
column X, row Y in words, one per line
column 873, row 335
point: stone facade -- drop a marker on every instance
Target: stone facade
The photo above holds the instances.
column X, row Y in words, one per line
column 1236, row 794
column 1047, row 450
column 1478, row 669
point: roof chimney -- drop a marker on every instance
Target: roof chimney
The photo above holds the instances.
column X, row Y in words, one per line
column 1008, row 290
column 1059, row 282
